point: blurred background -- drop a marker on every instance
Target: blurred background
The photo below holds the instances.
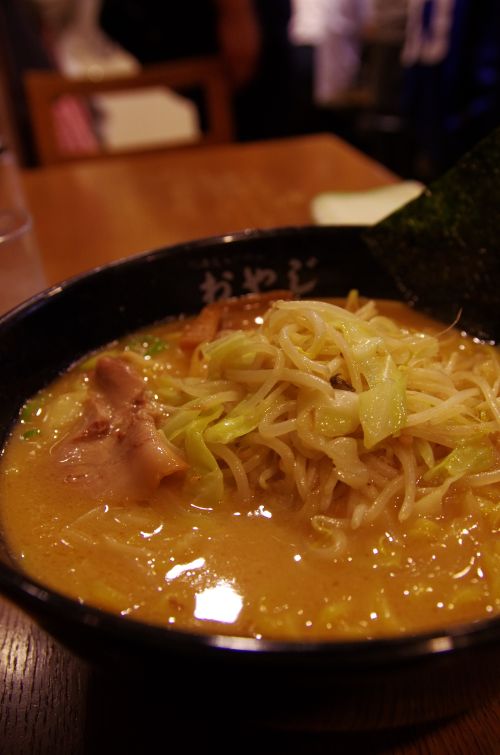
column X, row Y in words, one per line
column 413, row 83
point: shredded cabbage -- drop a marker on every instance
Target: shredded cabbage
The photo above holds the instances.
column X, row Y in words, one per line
column 466, row 458
column 346, row 411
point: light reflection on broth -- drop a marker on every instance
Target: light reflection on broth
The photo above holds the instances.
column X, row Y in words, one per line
column 253, row 564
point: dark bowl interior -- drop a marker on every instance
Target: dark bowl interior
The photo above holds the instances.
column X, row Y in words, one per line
column 339, row 685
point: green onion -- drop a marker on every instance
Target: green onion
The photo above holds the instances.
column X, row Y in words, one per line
column 29, row 434
column 147, row 345
column 30, row 410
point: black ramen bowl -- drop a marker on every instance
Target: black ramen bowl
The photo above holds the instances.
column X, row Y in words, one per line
column 335, row 685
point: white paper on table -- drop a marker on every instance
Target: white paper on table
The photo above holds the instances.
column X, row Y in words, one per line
column 363, row 207
column 153, row 116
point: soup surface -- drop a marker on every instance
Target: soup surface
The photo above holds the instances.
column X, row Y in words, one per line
column 303, row 471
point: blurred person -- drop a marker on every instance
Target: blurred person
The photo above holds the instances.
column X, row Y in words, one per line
column 155, row 31
column 338, row 59
column 264, row 106
column 305, row 32
column 351, row 29
column 389, row 18
column 339, row 49
column 451, row 94
column 359, row 76
column 250, row 35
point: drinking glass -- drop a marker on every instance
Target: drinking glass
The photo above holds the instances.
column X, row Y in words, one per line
column 21, row 271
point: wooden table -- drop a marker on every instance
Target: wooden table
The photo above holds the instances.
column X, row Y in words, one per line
column 85, row 215
column 90, row 213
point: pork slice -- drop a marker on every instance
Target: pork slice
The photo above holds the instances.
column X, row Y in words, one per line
column 115, row 450
column 150, row 457
column 118, row 381
column 95, row 421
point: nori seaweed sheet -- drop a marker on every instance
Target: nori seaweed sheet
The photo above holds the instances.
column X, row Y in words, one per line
column 443, row 248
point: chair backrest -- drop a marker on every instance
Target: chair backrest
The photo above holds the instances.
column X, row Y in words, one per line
column 205, row 76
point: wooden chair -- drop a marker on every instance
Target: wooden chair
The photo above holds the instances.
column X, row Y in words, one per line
column 201, row 75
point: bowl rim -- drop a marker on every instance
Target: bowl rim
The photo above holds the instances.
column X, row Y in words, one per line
column 28, row 593
column 149, row 255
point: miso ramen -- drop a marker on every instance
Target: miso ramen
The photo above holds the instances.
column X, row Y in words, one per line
column 272, row 468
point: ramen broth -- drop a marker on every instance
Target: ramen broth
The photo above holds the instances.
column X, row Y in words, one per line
column 251, row 567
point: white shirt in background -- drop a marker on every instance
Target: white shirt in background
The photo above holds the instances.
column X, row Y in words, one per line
column 338, row 51
column 306, row 24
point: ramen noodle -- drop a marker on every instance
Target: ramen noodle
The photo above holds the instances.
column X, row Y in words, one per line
column 272, row 468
